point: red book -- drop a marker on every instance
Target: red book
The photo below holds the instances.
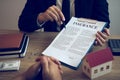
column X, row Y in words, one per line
column 11, row 41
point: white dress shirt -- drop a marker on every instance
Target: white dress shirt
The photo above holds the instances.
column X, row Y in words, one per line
column 72, row 5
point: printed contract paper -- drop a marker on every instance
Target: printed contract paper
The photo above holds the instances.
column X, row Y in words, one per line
column 74, row 41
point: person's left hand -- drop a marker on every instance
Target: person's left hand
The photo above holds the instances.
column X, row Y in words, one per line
column 30, row 73
column 102, row 37
column 48, row 71
column 41, row 61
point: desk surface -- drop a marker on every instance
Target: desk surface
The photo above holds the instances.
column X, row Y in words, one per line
column 39, row 41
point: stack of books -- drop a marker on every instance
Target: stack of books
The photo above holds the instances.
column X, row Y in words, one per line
column 13, row 44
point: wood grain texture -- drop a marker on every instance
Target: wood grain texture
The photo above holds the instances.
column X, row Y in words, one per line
column 39, row 41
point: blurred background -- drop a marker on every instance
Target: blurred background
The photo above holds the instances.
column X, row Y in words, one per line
column 11, row 9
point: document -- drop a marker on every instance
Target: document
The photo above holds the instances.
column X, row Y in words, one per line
column 74, row 41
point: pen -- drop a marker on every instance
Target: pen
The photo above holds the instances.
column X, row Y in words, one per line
column 63, row 25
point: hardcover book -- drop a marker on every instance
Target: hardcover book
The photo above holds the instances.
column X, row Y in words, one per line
column 11, row 41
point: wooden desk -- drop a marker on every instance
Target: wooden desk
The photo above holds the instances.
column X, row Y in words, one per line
column 38, row 42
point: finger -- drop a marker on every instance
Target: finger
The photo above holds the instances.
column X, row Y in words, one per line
column 98, row 42
column 54, row 9
column 44, row 17
column 60, row 20
column 100, row 39
column 49, row 15
column 53, row 13
column 44, row 64
column 61, row 16
column 102, row 35
column 38, row 59
column 52, row 64
column 60, row 68
column 58, row 63
column 107, row 31
column 55, row 60
column 35, row 66
column 33, row 70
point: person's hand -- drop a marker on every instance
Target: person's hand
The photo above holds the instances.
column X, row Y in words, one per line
column 51, row 70
column 53, row 13
column 53, row 59
column 30, row 74
column 32, row 71
column 102, row 37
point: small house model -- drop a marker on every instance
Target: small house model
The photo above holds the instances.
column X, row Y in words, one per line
column 97, row 63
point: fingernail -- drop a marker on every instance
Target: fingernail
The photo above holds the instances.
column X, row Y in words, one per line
column 63, row 19
column 61, row 22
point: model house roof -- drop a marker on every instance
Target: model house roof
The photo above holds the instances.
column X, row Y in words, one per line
column 99, row 57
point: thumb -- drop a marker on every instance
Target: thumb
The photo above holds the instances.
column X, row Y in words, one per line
column 31, row 72
column 34, row 68
column 44, row 65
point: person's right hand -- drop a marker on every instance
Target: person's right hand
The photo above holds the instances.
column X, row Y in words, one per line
column 53, row 13
column 50, row 70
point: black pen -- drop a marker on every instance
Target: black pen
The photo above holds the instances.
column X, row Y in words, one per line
column 63, row 25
